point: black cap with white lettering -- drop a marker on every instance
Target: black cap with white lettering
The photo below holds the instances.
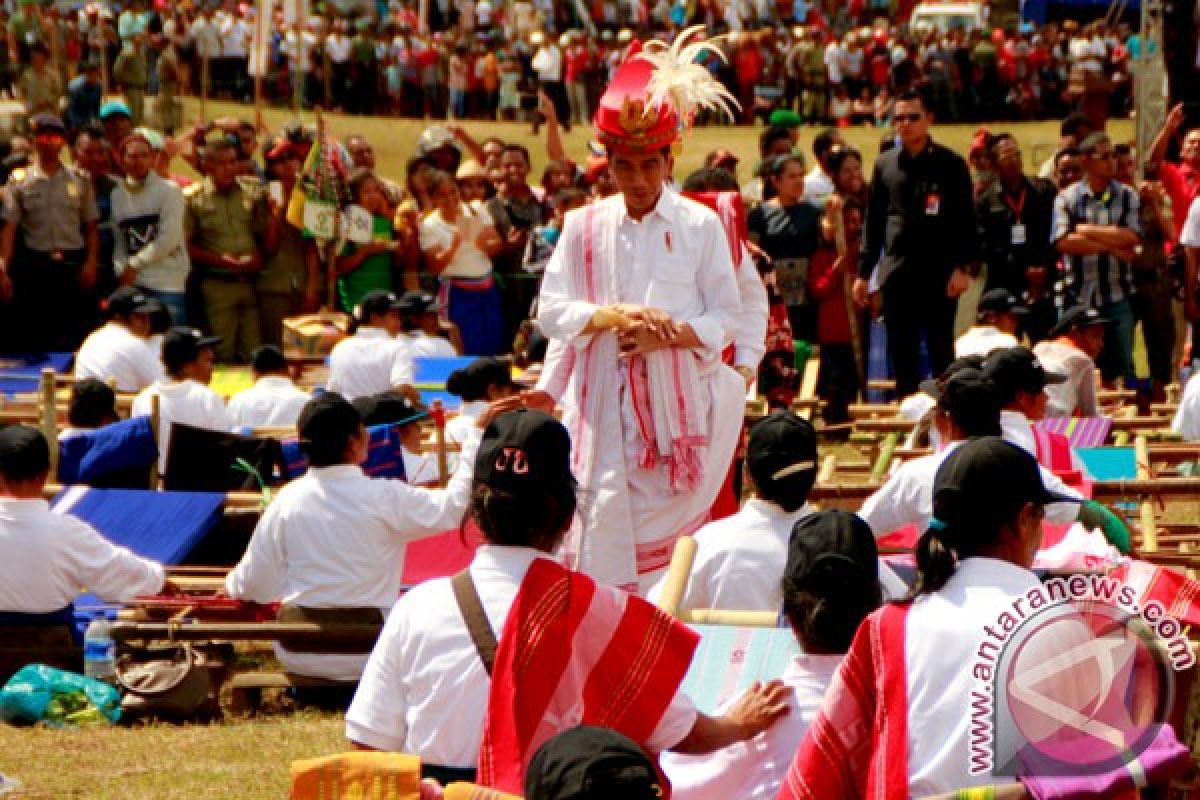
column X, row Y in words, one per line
column 524, row 448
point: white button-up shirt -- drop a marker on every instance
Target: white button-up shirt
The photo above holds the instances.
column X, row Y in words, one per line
column 1187, row 417
column 750, row 323
column 369, row 362
column 188, row 402
column 740, row 560
column 461, row 425
column 47, row 559
column 272, row 402
column 1078, row 392
column 907, row 496
column 756, row 769
column 113, row 352
column 425, row 691
column 335, row 538
column 425, row 346
column 979, row 340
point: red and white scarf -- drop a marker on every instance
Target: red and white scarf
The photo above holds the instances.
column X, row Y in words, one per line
column 576, row 653
column 663, row 384
column 858, row 745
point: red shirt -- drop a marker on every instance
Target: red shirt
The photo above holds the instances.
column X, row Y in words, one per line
column 576, row 64
column 1182, row 184
column 829, row 288
column 748, row 64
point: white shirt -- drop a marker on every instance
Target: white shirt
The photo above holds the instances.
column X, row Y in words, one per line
column 907, row 496
column 1187, row 417
column 979, row 340
column 458, row 427
column 235, row 36
column 469, row 261
column 817, row 186
column 1190, row 235
column 943, row 634
column 113, row 352
column 369, row 362
column 205, row 37
column 188, row 402
column 337, row 46
column 1078, row 392
column 335, row 538
column 835, row 61
column 425, row 346
column 272, row 402
column 547, row 63
column 756, row 769
column 419, row 468
column 47, row 559
column 740, row 560
column 425, row 691
column 750, row 324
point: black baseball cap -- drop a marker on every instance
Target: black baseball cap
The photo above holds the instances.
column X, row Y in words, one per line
column 47, row 123
column 782, row 448
column 327, row 417
column 388, row 408
column 988, row 478
column 418, row 302
column 524, row 448
column 830, row 535
column 972, row 402
column 1001, row 301
column 182, row 345
column 129, row 300
column 1016, row 369
column 590, row 763
column 933, row 386
column 376, row 301
column 1077, row 318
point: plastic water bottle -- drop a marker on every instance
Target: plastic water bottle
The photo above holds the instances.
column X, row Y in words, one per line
column 99, row 651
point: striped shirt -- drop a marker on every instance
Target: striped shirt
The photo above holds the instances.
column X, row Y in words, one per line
column 1099, row 279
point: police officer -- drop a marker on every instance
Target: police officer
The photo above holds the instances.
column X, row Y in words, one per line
column 226, row 221
column 48, row 248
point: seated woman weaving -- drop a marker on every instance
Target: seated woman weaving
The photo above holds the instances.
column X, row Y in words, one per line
column 46, row 558
column 570, row 652
column 331, row 544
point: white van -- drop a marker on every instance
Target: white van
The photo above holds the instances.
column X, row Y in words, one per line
column 944, row 17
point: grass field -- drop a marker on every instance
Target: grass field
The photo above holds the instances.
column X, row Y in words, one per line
column 248, row 759
column 396, row 139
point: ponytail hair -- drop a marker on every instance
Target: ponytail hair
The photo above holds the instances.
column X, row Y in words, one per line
column 936, row 559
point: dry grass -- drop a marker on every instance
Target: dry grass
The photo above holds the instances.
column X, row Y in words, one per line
column 245, row 759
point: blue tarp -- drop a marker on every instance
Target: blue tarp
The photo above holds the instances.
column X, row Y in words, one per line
column 20, row 374
column 164, row 526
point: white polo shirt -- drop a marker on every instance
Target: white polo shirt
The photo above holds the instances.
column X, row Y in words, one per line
column 740, row 560
column 979, row 340
column 272, row 402
column 755, row 770
column 335, row 538
column 47, row 559
column 188, row 402
column 113, row 352
column 425, row 346
column 369, row 362
column 1078, row 392
column 1187, row 417
column 425, row 691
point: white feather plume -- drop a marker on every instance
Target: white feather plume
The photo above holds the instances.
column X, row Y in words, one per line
column 681, row 81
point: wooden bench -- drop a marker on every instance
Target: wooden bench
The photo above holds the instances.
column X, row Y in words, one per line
column 246, row 688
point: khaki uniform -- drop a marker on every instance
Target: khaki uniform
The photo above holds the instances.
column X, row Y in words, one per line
column 132, row 74
column 167, row 106
column 42, row 92
column 228, row 222
column 281, row 284
column 51, row 213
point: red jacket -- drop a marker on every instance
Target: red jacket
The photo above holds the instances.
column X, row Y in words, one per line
column 829, row 288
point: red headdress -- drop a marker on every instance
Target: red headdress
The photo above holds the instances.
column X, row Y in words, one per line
column 655, row 94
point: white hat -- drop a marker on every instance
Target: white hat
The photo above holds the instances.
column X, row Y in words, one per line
column 537, row 38
column 624, row 35
column 434, row 138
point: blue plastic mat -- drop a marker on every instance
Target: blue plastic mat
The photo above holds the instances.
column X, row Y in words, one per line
column 20, row 374
column 1109, row 463
column 163, row 526
column 437, row 370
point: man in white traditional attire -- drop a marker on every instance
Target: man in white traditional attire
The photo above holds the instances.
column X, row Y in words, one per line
column 638, row 301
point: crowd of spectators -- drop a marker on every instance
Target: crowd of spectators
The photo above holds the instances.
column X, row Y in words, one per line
column 839, row 64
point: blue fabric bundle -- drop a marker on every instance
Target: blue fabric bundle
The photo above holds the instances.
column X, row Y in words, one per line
column 92, row 456
column 385, row 458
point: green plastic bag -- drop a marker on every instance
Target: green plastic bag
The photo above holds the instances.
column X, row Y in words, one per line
column 38, row 693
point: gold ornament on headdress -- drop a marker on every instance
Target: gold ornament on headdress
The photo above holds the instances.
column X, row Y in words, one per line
column 635, row 118
column 680, row 81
